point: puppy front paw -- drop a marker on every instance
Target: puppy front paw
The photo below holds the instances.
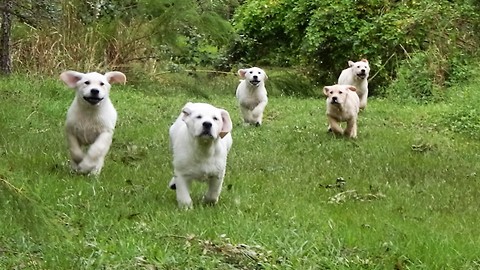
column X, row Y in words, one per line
column 185, row 204
column 90, row 168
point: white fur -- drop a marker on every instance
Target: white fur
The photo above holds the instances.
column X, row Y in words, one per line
column 91, row 119
column 199, row 151
column 357, row 75
column 342, row 106
column 252, row 94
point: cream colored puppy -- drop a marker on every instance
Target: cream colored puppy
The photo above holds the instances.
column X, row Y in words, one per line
column 252, row 94
column 200, row 139
column 91, row 119
column 357, row 75
column 342, row 106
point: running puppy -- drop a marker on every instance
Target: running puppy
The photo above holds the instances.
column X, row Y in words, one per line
column 200, row 139
column 342, row 106
column 357, row 75
column 91, row 119
column 252, row 94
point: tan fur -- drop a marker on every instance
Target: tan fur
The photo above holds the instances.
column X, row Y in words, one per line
column 342, row 106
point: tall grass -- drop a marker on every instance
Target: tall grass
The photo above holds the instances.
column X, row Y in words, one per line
column 73, row 44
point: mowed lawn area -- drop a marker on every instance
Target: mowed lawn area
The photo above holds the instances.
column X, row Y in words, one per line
column 404, row 195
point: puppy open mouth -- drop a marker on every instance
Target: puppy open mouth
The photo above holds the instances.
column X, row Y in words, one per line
column 362, row 75
column 254, row 82
column 93, row 100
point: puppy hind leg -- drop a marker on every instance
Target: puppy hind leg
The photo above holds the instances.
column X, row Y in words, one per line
column 246, row 114
column 171, row 185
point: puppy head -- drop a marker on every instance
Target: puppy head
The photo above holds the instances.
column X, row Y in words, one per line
column 337, row 94
column 92, row 87
column 361, row 68
column 255, row 76
column 206, row 121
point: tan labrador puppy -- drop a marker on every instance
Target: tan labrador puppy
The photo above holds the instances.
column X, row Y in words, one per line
column 90, row 119
column 342, row 106
column 357, row 75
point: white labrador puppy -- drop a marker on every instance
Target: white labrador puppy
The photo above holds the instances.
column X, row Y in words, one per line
column 200, row 139
column 342, row 106
column 91, row 118
column 357, row 75
column 252, row 94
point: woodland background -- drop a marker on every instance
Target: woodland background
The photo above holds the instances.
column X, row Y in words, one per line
column 425, row 44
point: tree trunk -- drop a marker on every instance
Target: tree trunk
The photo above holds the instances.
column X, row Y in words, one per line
column 5, row 61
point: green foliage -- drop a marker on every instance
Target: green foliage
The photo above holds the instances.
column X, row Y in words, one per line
column 324, row 35
column 138, row 36
column 419, row 78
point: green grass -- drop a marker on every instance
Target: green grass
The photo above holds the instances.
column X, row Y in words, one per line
column 410, row 199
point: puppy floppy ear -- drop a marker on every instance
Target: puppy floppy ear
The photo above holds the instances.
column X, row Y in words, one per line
column 227, row 123
column 115, row 77
column 326, row 89
column 350, row 63
column 186, row 111
column 70, row 78
column 364, row 60
column 352, row 88
column 241, row 73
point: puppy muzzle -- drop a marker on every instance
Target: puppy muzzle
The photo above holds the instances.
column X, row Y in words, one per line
column 93, row 100
column 362, row 75
column 206, row 131
column 334, row 101
column 254, row 82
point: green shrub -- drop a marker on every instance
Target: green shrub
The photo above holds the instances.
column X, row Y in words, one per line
column 323, row 35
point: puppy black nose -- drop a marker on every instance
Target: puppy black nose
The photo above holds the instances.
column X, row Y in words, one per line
column 207, row 124
column 255, row 77
column 94, row 91
column 363, row 70
column 334, row 99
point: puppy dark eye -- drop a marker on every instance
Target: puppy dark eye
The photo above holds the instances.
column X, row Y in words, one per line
column 340, row 92
column 87, row 82
column 259, row 72
column 358, row 66
column 215, row 118
column 199, row 117
column 331, row 92
column 251, row 72
column 102, row 83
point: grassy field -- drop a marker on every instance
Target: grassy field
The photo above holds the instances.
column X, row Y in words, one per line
column 404, row 195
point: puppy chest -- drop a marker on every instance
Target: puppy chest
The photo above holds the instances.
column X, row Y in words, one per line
column 203, row 170
column 250, row 102
column 87, row 131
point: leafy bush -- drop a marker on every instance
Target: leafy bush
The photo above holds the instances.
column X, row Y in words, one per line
column 323, row 35
column 419, row 77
